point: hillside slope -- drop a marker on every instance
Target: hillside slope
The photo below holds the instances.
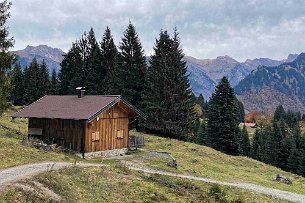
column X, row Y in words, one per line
column 285, row 84
column 192, row 159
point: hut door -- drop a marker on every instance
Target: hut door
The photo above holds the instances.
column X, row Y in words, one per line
column 95, row 135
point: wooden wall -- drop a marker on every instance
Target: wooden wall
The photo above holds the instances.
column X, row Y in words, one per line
column 107, row 125
column 67, row 133
column 78, row 133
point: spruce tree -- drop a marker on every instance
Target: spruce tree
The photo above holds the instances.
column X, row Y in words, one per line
column 240, row 110
column 96, row 78
column 222, row 124
column 245, row 142
column 109, row 53
column 43, row 80
column 6, row 58
column 168, row 98
column 71, row 74
column 133, row 66
column 279, row 114
column 18, row 85
column 31, row 75
column 53, row 90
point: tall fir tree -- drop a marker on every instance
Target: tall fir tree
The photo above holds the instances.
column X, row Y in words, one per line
column 168, row 98
column 96, row 78
column 71, row 73
column 109, row 53
column 31, row 75
column 43, row 80
column 245, row 142
column 223, row 120
column 6, row 58
column 17, row 81
column 53, row 90
column 133, row 67
column 279, row 114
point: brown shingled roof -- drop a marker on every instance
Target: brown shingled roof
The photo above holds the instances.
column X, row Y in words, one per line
column 71, row 107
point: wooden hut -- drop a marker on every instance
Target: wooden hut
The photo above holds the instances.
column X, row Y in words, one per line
column 94, row 125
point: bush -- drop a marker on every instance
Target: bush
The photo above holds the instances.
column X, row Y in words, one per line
column 217, row 193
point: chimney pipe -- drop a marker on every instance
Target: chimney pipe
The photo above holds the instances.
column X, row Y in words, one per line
column 80, row 92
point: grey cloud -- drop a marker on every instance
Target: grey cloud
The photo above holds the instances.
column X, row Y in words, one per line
column 208, row 28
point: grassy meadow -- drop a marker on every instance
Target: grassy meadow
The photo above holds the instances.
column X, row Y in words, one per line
column 206, row 162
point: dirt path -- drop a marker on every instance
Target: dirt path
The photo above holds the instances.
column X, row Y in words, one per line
column 280, row 194
column 15, row 174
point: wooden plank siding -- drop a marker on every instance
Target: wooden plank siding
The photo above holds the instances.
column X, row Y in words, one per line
column 107, row 124
column 67, row 133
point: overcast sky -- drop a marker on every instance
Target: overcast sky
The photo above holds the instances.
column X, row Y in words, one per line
column 208, row 28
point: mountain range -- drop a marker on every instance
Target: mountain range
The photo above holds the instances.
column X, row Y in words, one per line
column 266, row 87
column 52, row 56
column 206, row 73
column 276, row 78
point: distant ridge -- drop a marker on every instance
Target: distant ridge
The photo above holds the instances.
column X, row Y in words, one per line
column 267, row 87
column 206, row 73
column 52, row 56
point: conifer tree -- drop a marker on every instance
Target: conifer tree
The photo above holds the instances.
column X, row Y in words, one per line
column 6, row 58
column 43, row 80
column 279, row 114
column 245, row 142
column 168, row 98
column 31, row 75
column 18, row 85
column 71, row 74
column 258, row 147
column 109, row 53
column 240, row 110
column 96, row 79
column 222, row 124
column 53, row 90
column 133, row 66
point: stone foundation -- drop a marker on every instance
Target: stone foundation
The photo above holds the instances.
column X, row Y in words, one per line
column 103, row 154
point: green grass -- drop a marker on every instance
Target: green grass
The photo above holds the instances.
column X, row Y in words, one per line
column 116, row 184
column 205, row 162
column 13, row 153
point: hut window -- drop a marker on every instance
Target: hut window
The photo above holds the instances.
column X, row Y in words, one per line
column 95, row 136
column 115, row 113
column 120, row 134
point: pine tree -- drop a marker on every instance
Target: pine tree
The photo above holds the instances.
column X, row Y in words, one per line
column 95, row 81
column 71, row 74
column 168, row 98
column 109, row 53
column 279, row 114
column 284, row 153
column 53, row 90
column 200, row 100
column 6, row 58
column 31, row 75
column 222, row 124
column 18, row 85
column 133, row 66
column 245, row 142
column 240, row 110
column 258, row 146
column 43, row 80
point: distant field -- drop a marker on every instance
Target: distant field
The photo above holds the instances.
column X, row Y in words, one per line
column 205, row 162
